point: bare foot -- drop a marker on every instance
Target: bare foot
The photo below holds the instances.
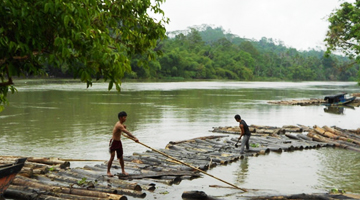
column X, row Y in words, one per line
column 125, row 173
column 109, row 174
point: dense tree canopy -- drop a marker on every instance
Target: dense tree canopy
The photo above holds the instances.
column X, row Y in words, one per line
column 91, row 38
column 206, row 52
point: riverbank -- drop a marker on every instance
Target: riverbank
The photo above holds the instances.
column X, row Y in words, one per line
column 154, row 176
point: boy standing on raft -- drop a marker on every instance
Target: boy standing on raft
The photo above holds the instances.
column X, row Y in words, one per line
column 115, row 142
column 244, row 131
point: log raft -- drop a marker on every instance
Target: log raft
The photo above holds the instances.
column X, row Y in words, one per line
column 288, row 138
column 301, row 102
column 308, row 102
column 54, row 178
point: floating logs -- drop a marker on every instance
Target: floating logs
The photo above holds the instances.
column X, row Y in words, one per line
column 303, row 102
column 196, row 195
column 19, row 180
column 307, row 102
column 339, row 139
column 326, row 196
column 260, row 130
column 53, row 178
column 325, row 136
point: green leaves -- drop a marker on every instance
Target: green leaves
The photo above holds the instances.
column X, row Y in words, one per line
column 93, row 38
column 3, row 93
column 344, row 30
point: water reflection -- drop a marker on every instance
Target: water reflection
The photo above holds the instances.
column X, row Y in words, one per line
column 334, row 110
column 242, row 173
column 339, row 110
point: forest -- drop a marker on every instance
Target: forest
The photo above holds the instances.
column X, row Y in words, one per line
column 205, row 52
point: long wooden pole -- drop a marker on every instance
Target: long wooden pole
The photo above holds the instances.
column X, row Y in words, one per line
column 197, row 169
column 81, row 160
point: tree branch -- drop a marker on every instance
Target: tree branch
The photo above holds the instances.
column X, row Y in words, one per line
column 9, row 82
column 34, row 53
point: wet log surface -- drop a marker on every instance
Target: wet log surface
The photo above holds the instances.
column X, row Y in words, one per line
column 53, row 178
column 200, row 195
column 193, row 195
column 288, row 138
column 302, row 102
column 329, row 196
column 308, row 102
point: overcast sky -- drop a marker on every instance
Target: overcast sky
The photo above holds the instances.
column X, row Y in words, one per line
column 301, row 24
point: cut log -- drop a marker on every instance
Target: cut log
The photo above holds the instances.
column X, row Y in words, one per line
column 201, row 138
column 41, row 170
column 27, row 172
column 344, row 131
column 304, row 128
column 275, row 149
column 196, row 195
column 165, row 182
column 121, row 183
column 291, row 136
column 292, row 129
column 322, row 132
column 132, row 193
column 308, row 196
column 156, row 175
column 49, row 161
column 332, row 130
column 334, row 136
column 14, row 193
column 304, row 137
column 66, row 190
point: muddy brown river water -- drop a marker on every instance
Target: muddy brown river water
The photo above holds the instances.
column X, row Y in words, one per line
column 61, row 118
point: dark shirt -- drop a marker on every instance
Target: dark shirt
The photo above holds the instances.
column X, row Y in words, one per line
column 246, row 127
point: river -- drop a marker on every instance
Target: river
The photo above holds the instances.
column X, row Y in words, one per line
column 62, row 118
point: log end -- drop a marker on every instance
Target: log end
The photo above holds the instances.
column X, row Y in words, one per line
column 194, row 195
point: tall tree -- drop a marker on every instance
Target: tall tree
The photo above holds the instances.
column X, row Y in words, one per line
column 94, row 38
column 343, row 33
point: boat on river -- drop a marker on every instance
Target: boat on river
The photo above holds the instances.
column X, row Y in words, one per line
column 8, row 173
column 339, row 99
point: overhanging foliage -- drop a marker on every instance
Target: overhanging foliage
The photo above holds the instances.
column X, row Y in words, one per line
column 92, row 38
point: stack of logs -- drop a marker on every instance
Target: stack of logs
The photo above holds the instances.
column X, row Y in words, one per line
column 299, row 102
column 337, row 136
column 307, row 102
column 50, row 178
column 334, row 136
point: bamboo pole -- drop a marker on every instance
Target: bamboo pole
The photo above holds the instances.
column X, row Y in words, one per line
column 179, row 161
column 81, row 160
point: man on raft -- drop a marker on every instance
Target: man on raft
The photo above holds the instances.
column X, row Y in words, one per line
column 244, row 131
column 115, row 144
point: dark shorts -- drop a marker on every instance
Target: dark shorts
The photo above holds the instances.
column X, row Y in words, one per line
column 115, row 145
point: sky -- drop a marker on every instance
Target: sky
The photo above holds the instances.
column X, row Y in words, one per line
column 301, row 24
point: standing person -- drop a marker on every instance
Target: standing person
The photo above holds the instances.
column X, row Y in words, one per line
column 115, row 142
column 244, row 131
